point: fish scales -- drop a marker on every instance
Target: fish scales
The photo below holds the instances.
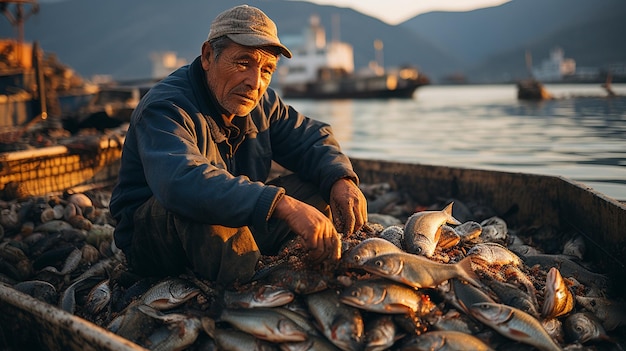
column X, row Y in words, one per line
column 418, row 271
column 385, row 296
column 341, row 324
column 423, row 229
column 264, row 323
column 514, row 324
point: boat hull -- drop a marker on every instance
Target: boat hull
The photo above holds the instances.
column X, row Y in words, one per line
column 523, row 200
column 382, row 87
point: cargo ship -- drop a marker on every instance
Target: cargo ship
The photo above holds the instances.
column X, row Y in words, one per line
column 321, row 70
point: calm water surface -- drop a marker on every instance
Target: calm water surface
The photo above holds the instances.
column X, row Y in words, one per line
column 581, row 135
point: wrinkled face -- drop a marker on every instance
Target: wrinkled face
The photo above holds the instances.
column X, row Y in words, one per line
column 239, row 76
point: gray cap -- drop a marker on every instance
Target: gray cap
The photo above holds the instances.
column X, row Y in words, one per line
column 248, row 26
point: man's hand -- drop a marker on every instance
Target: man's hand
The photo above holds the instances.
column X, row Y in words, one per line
column 313, row 226
column 348, row 206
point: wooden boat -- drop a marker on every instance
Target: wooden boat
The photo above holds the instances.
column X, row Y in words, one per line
column 532, row 89
column 523, row 199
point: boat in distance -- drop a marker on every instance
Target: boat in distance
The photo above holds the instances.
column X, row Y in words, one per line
column 321, row 70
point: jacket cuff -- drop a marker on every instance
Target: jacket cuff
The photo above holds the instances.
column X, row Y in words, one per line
column 265, row 205
column 327, row 185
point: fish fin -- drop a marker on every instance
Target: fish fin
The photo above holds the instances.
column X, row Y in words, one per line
column 450, row 218
column 208, row 325
column 466, row 266
column 518, row 334
column 398, row 307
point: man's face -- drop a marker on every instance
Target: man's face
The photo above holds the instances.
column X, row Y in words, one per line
column 239, row 76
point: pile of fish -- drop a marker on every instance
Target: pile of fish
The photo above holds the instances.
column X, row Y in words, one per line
column 445, row 276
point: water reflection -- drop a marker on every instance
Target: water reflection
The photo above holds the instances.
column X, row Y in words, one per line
column 486, row 127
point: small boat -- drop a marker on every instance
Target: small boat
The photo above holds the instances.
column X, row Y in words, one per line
column 524, row 200
column 532, row 89
column 320, row 70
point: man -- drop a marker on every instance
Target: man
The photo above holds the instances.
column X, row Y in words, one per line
column 192, row 190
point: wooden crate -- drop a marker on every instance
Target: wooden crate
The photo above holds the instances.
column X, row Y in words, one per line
column 57, row 168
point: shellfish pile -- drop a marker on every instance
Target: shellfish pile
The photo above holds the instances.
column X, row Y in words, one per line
column 444, row 276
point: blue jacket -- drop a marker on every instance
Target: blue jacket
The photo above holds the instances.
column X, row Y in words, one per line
column 177, row 149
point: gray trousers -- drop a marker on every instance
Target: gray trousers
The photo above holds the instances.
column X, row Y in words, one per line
column 165, row 243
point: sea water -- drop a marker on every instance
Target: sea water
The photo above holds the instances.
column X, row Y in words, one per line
column 581, row 134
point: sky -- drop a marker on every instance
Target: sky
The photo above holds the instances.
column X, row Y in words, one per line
column 397, row 11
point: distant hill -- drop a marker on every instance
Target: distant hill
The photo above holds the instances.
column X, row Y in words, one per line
column 117, row 37
column 491, row 42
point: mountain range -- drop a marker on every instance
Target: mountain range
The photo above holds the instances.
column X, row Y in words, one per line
column 117, row 37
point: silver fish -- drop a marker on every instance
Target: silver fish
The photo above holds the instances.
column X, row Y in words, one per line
column 366, row 249
column 384, row 296
column 445, row 341
column 233, row 339
column 340, row 323
column 98, row 297
column 494, row 254
column 422, row 230
column 394, row 234
column 264, row 323
column 170, row 293
column 418, row 271
column 68, row 297
column 494, row 229
column 513, row 296
column 453, row 320
column 71, row 263
column 380, row 334
column 612, row 313
column 132, row 324
column 554, row 328
column 558, row 298
column 39, row 289
column 298, row 280
column 175, row 336
column 584, row 326
column 260, row 296
column 469, row 230
column 467, row 294
column 302, row 320
column 575, row 247
column 514, row 324
column 568, row 269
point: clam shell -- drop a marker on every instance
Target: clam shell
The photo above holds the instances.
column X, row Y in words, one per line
column 59, row 211
column 71, row 210
column 80, row 222
column 47, row 215
column 81, row 200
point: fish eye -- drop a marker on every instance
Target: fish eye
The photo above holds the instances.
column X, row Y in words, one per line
column 355, row 293
column 356, row 258
column 379, row 263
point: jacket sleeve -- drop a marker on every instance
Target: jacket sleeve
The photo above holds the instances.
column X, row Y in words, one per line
column 306, row 146
column 189, row 183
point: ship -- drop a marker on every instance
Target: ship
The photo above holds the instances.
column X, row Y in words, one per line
column 321, row 70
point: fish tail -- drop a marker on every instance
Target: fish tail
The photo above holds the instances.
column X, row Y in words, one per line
column 208, row 325
column 448, row 211
column 468, row 274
